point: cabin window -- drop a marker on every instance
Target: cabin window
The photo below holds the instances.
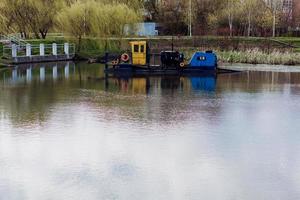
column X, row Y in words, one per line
column 136, row 48
column 142, row 48
column 202, row 58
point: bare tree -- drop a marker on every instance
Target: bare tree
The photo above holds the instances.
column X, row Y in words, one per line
column 276, row 7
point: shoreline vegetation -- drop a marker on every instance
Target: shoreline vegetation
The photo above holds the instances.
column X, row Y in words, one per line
column 273, row 51
column 254, row 56
column 248, row 50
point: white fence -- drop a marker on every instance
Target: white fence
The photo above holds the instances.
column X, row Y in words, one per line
column 29, row 50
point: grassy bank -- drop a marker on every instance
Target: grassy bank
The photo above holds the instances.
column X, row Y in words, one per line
column 255, row 56
column 91, row 47
column 260, row 57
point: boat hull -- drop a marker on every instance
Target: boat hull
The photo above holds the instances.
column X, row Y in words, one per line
column 128, row 69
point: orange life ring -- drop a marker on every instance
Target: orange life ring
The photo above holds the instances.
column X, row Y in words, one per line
column 182, row 64
column 125, row 57
column 115, row 62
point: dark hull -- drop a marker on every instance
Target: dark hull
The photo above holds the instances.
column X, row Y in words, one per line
column 130, row 70
column 158, row 72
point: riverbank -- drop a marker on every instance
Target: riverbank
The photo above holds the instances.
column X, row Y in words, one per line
column 254, row 56
column 260, row 67
column 279, row 51
column 275, row 51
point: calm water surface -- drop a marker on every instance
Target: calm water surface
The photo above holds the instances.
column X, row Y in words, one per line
column 66, row 136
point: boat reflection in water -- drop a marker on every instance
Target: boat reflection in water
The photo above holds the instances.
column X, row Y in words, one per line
column 150, row 85
column 207, row 83
column 91, row 77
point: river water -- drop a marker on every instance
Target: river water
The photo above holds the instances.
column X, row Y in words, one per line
column 67, row 133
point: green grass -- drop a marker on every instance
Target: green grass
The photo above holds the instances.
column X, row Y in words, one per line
column 1, row 49
column 292, row 40
column 95, row 47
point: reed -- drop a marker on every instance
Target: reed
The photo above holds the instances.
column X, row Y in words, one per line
column 255, row 56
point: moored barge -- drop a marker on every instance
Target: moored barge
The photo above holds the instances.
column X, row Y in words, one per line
column 171, row 63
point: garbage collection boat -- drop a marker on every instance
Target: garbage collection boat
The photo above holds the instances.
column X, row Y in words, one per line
column 171, row 62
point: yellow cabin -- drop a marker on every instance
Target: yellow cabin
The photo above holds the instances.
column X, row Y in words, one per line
column 139, row 52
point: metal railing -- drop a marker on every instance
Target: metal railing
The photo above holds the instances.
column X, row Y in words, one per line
column 17, row 38
column 13, row 39
column 38, row 50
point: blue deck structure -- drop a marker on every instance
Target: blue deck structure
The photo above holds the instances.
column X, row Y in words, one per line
column 204, row 60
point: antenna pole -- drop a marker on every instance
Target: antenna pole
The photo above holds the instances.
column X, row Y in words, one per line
column 172, row 43
column 190, row 18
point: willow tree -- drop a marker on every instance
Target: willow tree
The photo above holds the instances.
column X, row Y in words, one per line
column 76, row 20
column 94, row 18
column 12, row 16
column 132, row 4
column 110, row 20
column 42, row 15
column 29, row 16
column 5, row 22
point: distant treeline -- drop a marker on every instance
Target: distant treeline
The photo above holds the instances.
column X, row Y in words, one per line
column 105, row 18
column 226, row 17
